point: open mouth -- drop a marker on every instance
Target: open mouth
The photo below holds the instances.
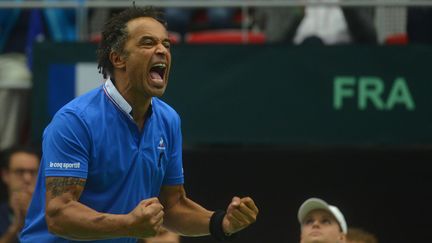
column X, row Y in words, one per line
column 157, row 71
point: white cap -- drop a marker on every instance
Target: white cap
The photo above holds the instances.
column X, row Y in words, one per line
column 316, row 203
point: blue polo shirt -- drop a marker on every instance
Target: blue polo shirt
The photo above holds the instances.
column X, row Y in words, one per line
column 94, row 137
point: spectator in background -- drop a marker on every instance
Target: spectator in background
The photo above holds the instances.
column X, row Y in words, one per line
column 15, row 84
column 22, row 27
column 419, row 25
column 19, row 167
column 357, row 235
column 327, row 25
column 15, row 74
column 19, row 29
column 321, row 222
column 181, row 19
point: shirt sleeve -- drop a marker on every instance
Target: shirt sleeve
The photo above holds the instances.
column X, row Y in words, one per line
column 174, row 171
column 66, row 146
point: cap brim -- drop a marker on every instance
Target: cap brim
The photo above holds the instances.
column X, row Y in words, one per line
column 310, row 205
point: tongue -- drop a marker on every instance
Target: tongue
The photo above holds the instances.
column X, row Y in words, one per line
column 155, row 75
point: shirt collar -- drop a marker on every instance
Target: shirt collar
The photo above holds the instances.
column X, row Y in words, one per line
column 117, row 98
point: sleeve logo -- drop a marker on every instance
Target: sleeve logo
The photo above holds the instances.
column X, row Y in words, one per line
column 64, row 165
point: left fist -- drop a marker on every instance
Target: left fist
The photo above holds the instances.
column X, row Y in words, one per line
column 240, row 214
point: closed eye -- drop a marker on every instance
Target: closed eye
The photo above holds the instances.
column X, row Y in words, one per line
column 326, row 221
column 147, row 41
column 308, row 221
column 166, row 44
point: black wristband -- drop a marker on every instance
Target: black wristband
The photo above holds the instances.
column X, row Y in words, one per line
column 215, row 226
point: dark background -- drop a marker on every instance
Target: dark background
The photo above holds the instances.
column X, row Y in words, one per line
column 386, row 191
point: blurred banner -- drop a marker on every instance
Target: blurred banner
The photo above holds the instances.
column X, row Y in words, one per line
column 269, row 94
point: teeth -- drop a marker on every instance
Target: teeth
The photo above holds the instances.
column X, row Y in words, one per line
column 162, row 65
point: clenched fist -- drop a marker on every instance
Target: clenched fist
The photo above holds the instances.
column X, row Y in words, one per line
column 240, row 213
column 146, row 218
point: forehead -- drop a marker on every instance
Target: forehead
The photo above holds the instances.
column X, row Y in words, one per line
column 23, row 160
column 146, row 26
column 320, row 213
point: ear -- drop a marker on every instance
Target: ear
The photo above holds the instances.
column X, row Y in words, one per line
column 342, row 238
column 117, row 60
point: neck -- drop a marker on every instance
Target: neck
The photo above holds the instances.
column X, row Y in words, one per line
column 140, row 104
column 139, row 111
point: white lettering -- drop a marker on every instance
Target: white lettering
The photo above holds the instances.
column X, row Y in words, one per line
column 55, row 165
column 60, row 165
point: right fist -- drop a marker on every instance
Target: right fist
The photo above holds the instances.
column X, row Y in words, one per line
column 146, row 218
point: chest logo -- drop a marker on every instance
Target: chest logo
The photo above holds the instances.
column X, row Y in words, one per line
column 161, row 145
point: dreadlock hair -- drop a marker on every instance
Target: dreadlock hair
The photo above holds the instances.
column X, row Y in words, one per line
column 114, row 34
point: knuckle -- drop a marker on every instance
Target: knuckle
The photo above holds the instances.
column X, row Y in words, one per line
column 245, row 199
column 154, row 220
column 160, row 208
column 152, row 223
column 250, row 221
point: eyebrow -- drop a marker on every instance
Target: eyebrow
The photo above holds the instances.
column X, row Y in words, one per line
column 153, row 38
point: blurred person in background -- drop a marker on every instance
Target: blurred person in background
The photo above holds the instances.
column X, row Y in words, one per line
column 20, row 28
column 112, row 168
column 328, row 25
column 15, row 85
column 181, row 19
column 357, row 235
column 19, row 167
column 321, row 222
column 163, row 236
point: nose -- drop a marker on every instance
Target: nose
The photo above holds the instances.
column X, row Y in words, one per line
column 315, row 224
column 28, row 178
column 161, row 49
